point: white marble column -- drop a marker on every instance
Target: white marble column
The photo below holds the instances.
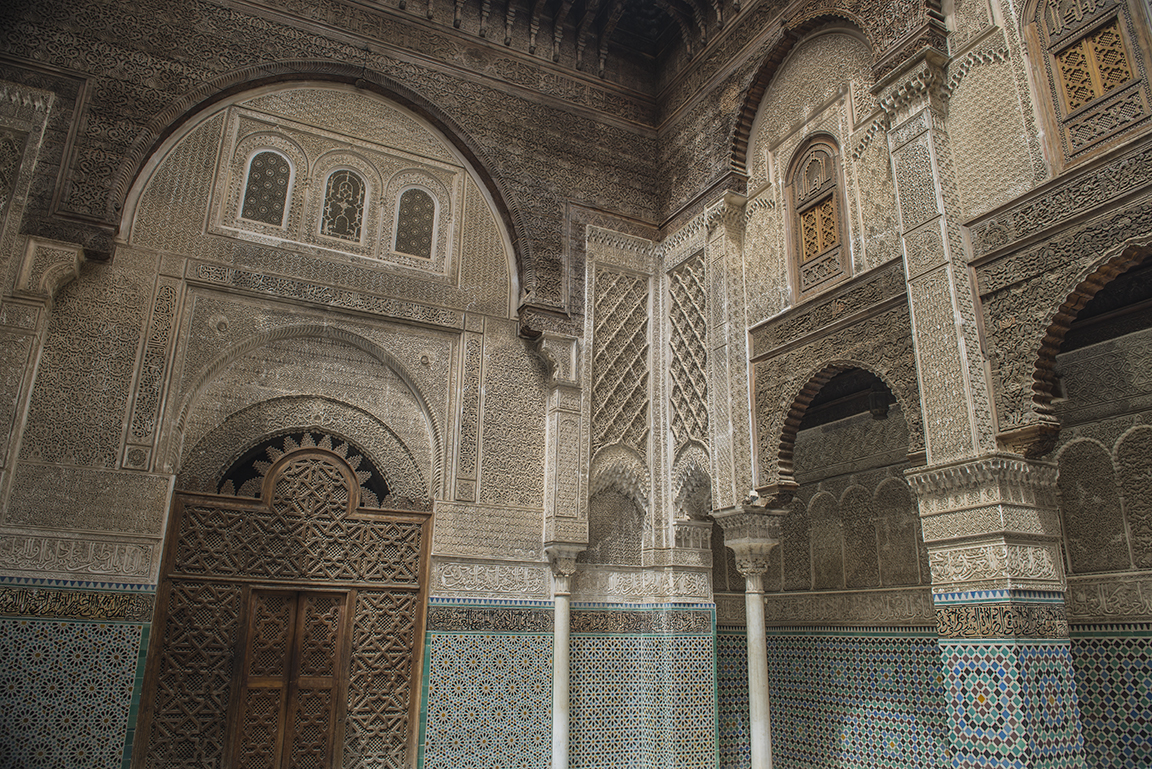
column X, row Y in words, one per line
column 563, row 560
column 752, row 532
column 759, row 715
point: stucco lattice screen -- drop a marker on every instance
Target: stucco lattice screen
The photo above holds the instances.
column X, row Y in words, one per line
column 343, row 206
column 266, row 193
column 415, row 221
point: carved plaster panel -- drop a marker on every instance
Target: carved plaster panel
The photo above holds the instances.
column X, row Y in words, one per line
column 900, row 607
column 997, row 565
column 1123, row 597
column 596, row 583
column 477, row 579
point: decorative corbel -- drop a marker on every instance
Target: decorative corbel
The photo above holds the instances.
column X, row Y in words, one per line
column 47, row 267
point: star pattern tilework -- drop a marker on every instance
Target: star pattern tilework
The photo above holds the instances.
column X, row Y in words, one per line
column 65, row 692
column 489, row 701
column 841, row 700
column 1013, row 705
column 1114, row 684
column 732, row 698
column 640, row 701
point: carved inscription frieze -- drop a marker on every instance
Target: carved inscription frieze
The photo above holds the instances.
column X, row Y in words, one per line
column 50, row 603
column 1011, row 620
column 1119, row 597
column 489, row 579
column 858, row 608
column 630, row 622
column 67, row 556
column 492, row 619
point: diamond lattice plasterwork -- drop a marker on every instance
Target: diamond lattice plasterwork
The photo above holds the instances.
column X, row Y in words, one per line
column 620, row 361
column 689, row 367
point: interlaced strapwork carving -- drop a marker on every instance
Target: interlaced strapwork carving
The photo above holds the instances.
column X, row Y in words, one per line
column 620, row 361
column 319, row 633
column 308, row 539
column 380, row 684
column 687, row 315
column 1094, row 66
column 271, row 628
column 266, row 193
column 200, row 635
column 260, row 729
column 294, row 673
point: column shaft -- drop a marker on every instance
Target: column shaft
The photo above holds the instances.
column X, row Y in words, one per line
column 760, row 721
column 560, row 671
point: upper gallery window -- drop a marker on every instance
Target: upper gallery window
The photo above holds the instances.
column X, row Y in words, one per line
column 415, row 223
column 1098, row 84
column 343, row 205
column 814, row 193
column 266, row 191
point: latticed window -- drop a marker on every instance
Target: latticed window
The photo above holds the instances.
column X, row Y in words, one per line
column 1093, row 66
column 266, row 192
column 343, row 205
column 415, row 221
column 1098, row 85
column 818, row 229
column 815, row 196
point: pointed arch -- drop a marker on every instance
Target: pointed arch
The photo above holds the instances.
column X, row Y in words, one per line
column 803, row 398
column 222, row 361
column 794, row 32
column 1087, row 283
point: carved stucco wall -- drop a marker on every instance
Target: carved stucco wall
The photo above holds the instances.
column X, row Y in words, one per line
column 1104, row 456
column 199, row 339
column 824, row 86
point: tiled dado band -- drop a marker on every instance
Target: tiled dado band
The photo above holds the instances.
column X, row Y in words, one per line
column 1009, row 679
column 71, row 669
column 487, row 700
column 642, row 685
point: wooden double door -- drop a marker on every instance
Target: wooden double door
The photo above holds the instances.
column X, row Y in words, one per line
column 288, row 628
column 293, row 679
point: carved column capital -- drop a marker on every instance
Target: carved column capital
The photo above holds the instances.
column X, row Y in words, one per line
column 751, row 531
column 990, row 523
column 562, row 559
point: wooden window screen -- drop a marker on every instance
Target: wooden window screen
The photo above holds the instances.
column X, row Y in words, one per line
column 819, row 229
column 1093, row 66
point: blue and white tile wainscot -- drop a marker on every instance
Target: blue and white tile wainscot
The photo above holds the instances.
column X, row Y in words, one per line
column 71, row 671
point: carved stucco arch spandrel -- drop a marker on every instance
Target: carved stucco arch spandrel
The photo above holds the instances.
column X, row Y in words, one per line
column 1026, row 353
column 222, row 361
column 777, row 427
column 196, row 102
column 203, row 464
column 815, row 17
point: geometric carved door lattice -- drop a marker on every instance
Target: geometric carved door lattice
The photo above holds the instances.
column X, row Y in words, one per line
column 288, row 627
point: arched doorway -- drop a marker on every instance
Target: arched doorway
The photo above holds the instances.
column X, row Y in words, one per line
column 288, row 626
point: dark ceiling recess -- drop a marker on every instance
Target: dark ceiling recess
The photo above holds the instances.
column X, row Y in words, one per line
column 847, row 394
column 1121, row 307
column 645, row 27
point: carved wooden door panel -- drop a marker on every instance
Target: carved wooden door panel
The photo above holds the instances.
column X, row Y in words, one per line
column 288, row 626
column 292, row 678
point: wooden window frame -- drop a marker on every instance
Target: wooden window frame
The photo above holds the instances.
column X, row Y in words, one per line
column 1074, row 134
column 830, row 263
